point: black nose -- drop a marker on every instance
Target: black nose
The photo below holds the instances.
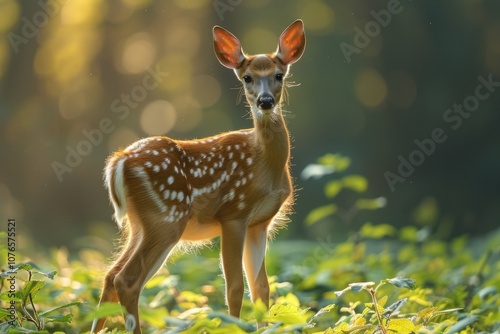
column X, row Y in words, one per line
column 265, row 101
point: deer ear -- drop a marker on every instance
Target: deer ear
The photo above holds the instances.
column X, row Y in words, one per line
column 227, row 48
column 292, row 43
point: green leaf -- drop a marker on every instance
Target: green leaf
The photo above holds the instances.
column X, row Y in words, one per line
column 401, row 282
column 357, row 287
column 26, row 266
column 408, row 233
column 371, row 204
column 45, row 313
column 485, row 292
column 377, row 231
column 338, row 162
column 324, row 310
column 427, row 312
column 341, row 292
column 320, row 213
column 427, row 212
column 287, row 314
column 67, row 318
column 401, row 326
column 462, row 324
column 332, row 188
column 394, row 308
column 357, row 183
column 4, row 312
column 31, row 288
column 154, row 316
column 50, row 274
column 16, row 268
column 105, row 310
column 259, row 310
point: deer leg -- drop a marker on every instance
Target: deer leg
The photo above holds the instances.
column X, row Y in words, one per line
column 254, row 258
column 232, row 240
column 109, row 292
column 150, row 254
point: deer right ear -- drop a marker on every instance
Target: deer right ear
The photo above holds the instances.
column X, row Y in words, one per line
column 292, row 43
column 227, row 48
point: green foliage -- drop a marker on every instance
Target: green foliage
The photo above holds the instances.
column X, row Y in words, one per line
column 382, row 282
column 27, row 314
column 335, row 164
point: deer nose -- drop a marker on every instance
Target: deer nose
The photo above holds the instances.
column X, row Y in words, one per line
column 265, row 101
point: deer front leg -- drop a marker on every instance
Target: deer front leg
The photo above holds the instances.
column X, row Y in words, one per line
column 232, row 240
column 254, row 258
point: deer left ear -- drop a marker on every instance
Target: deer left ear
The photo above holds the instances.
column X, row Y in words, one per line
column 292, row 43
column 227, row 48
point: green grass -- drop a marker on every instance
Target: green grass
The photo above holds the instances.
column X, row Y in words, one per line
column 385, row 285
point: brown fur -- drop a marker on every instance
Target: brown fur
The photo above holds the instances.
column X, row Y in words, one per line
column 236, row 185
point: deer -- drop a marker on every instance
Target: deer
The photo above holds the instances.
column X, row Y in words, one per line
column 236, row 185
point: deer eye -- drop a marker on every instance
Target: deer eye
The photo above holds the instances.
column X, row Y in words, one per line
column 247, row 78
column 279, row 77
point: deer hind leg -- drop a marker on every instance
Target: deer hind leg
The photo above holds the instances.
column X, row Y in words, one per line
column 254, row 258
column 154, row 246
column 109, row 293
column 232, row 240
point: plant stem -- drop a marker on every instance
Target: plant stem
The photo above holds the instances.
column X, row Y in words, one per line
column 375, row 304
column 35, row 313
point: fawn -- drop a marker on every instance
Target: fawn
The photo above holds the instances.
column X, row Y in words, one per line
column 236, row 185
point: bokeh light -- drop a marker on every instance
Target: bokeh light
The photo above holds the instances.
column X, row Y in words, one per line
column 121, row 138
column 370, row 87
column 83, row 12
column 492, row 45
column 256, row 3
column 186, row 39
column 80, row 95
column 136, row 3
column 259, row 40
column 9, row 14
column 319, row 16
column 138, row 54
column 178, row 67
column 206, row 90
column 189, row 113
column 158, row 117
column 85, row 55
column 193, row 4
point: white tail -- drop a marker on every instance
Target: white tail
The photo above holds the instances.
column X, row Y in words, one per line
column 235, row 185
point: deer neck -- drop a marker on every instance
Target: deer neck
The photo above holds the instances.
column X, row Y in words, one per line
column 272, row 138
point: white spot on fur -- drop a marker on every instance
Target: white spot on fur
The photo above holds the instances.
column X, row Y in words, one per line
column 139, row 171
